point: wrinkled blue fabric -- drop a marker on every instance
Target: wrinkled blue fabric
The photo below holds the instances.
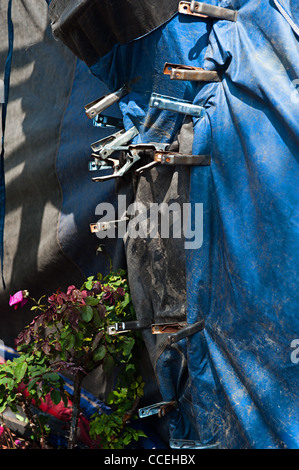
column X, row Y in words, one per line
column 243, row 280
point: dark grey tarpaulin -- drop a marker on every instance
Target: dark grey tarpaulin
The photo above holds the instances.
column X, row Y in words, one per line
column 91, row 28
column 47, row 243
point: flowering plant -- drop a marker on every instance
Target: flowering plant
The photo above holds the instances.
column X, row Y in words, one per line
column 19, row 298
column 70, row 334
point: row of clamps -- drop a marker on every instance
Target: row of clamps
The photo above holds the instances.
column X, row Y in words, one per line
column 118, row 141
column 133, row 153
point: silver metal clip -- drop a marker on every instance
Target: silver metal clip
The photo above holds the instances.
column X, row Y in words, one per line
column 114, row 142
column 204, row 10
column 98, row 164
column 184, row 8
column 107, row 122
column 176, row 105
column 104, row 226
column 176, row 158
column 146, row 167
column 160, row 409
column 213, row 11
column 124, row 327
column 99, row 105
column 187, row 72
column 190, row 444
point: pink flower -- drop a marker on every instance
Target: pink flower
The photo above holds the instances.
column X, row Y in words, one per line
column 18, row 442
column 1, row 430
column 19, row 297
column 70, row 289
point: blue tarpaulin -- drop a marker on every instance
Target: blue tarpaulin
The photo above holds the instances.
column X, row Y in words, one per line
column 243, row 279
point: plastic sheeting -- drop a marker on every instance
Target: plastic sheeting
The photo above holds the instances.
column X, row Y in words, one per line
column 236, row 383
column 243, row 280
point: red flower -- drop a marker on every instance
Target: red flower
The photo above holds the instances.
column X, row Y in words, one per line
column 19, row 297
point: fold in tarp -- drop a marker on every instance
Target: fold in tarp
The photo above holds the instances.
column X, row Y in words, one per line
column 236, row 382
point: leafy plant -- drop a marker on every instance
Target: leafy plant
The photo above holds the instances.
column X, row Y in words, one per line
column 24, row 381
column 70, row 334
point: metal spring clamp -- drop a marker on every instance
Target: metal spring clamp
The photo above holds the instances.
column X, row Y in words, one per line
column 176, row 158
column 204, row 10
column 176, row 105
column 187, row 72
column 99, row 105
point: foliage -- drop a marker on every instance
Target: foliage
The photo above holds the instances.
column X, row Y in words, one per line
column 34, row 373
column 69, row 334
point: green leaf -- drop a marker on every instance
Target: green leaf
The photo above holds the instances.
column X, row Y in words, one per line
column 86, row 313
column 126, row 300
column 89, row 282
column 53, row 376
column 22, row 418
column 10, row 383
column 32, row 383
column 56, row 397
column 108, row 364
column 99, row 353
column 2, row 408
column 92, row 301
column 128, row 345
column 20, row 370
column 130, row 367
column 71, row 342
column 96, row 319
column 127, row 439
